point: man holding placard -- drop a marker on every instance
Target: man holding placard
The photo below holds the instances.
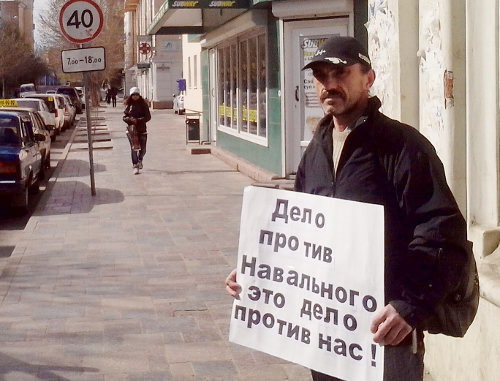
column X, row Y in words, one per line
column 359, row 154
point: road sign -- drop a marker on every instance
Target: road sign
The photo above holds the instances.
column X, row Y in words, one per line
column 80, row 20
column 144, row 48
column 80, row 60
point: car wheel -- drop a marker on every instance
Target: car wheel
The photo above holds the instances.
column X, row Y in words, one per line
column 35, row 187
column 47, row 162
column 21, row 202
column 41, row 174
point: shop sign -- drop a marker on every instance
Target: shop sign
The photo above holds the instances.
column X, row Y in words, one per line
column 206, row 4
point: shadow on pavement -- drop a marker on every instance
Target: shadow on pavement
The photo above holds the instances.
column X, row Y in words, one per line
column 10, row 364
column 71, row 197
column 79, row 168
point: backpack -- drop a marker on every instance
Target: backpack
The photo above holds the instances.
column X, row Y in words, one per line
column 457, row 311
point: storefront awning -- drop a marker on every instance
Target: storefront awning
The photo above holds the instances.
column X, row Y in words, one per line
column 186, row 16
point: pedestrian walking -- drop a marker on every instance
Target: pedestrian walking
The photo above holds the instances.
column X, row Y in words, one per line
column 357, row 153
column 113, row 94
column 108, row 96
column 136, row 116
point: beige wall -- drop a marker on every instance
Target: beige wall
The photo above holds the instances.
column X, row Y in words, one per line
column 421, row 40
column 192, row 74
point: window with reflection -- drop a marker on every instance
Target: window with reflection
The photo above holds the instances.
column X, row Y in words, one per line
column 242, row 86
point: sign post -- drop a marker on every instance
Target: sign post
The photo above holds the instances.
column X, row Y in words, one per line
column 81, row 21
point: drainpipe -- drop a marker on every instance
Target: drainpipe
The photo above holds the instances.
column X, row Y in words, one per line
column 453, row 29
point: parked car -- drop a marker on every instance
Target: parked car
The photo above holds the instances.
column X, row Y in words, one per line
column 37, row 104
column 21, row 165
column 73, row 94
column 39, row 128
column 69, row 112
column 55, row 103
column 50, row 92
column 179, row 104
column 81, row 93
column 27, row 89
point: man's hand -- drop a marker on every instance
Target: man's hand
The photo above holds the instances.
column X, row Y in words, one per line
column 233, row 288
column 389, row 327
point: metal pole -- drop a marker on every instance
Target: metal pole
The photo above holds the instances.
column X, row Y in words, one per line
column 86, row 83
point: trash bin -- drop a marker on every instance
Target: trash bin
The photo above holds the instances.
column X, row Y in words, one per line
column 193, row 128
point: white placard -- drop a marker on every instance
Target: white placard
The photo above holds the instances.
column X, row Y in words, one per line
column 312, row 275
column 87, row 59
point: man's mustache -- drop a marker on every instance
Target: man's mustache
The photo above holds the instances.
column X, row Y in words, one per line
column 331, row 94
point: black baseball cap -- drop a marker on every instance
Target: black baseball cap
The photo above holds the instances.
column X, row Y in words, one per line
column 340, row 50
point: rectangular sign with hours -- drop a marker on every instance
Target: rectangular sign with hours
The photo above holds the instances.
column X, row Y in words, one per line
column 79, row 60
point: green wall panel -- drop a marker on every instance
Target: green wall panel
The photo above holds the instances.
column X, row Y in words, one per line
column 265, row 157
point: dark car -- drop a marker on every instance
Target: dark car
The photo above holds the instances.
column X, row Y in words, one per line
column 20, row 158
column 39, row 128
column 73, row 94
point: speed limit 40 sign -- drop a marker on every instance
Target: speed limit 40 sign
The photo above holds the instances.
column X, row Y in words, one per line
column 80, row 20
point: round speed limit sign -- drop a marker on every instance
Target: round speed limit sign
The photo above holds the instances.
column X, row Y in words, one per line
column 80, row 20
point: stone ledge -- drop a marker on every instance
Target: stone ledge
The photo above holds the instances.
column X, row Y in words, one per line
column 251, row 170
column 489, row 277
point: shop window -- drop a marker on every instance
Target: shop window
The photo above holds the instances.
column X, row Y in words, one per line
column 242, row 88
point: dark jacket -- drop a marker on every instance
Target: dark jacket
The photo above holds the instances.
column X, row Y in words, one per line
column 389, row 163
column 140, row 111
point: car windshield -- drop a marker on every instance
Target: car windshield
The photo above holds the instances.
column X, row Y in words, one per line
column 9, row 125
column 25, row 88
column 49, row 101
column 65, row 91
column 28, row 103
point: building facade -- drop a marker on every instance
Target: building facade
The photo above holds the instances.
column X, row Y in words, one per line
column 438, row 66
column 19, row 13
column 152, row 62
column 438, row 69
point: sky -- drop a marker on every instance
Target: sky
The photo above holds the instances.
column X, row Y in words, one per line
column 38, row 7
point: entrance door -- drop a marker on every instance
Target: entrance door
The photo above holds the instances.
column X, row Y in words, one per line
column 212, row 89
column 302, row 108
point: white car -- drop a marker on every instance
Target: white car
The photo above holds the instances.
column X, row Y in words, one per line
column 55, row 103
column 43, row 111
column 81, row 93
column 69, row 112
column 27, row 89
column 179, row 104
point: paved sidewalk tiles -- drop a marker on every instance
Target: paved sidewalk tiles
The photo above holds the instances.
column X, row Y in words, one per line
column 128, row 285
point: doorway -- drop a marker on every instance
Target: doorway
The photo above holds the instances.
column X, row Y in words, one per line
column 302, row 108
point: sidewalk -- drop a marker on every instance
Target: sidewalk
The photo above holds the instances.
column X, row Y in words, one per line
column 128, row 285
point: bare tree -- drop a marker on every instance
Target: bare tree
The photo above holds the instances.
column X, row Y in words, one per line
column 111, row 38
column 18, row 63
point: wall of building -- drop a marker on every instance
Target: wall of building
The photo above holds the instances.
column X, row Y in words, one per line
column 19, row 13
column 193, row 101
column 454, row 103
column 267, row 157
column 166, row 69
